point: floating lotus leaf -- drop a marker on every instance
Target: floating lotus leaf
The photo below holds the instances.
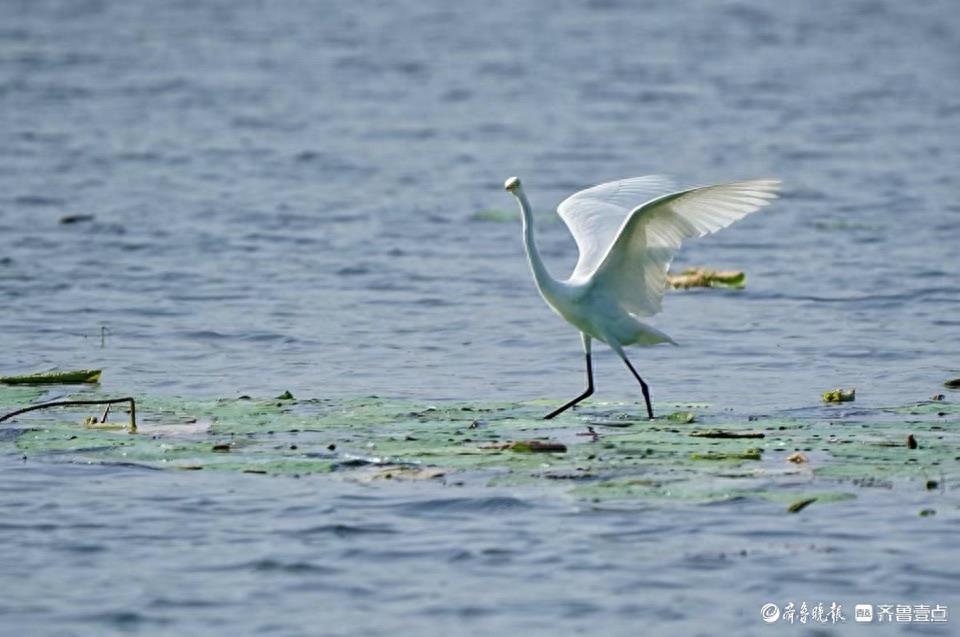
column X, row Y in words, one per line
column 605, row 451
column 56, row 377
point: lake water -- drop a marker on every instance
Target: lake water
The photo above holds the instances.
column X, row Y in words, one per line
column 308, row 197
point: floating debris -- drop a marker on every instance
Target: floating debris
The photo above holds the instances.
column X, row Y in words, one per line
column 797, row 457
column 402, row 472
column 839, row 395
column 70, row 219
column 532, row 446
column 286, row 396
column 749, row 454
column 683, row 417
column 94, row 422
column 720, row 433
column 926, row 513
column 953, row 383
column 54, row 378
column 132, row 427
column 932, row 484
column 800, row 505
column 706, row 278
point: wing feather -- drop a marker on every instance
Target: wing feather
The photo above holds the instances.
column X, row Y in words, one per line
column 595, row 215
column 634, row 267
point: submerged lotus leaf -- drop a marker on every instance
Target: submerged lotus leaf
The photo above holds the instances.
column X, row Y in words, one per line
column 398, row 472
column 290, row 465
column 13, row 397
column 611, row 451
column 936, row 408
column 494, row 214
column 753, row 453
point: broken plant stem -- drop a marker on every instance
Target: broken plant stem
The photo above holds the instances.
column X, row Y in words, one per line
column 72, row 403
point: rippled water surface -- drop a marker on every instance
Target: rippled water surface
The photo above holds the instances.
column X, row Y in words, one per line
column 308, row 197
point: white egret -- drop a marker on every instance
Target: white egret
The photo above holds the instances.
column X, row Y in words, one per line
column 628, row 232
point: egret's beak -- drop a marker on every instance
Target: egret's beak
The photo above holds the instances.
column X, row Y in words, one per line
column 512, row 184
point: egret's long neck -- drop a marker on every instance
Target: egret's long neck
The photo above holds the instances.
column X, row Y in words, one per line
column 545, row 282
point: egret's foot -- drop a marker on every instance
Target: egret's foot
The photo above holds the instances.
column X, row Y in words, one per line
column 646, row 396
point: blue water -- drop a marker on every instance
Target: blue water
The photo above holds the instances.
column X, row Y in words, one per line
column 286, row 197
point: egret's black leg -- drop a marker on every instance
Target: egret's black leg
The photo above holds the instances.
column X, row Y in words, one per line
column 585, row 394
column 643, row 387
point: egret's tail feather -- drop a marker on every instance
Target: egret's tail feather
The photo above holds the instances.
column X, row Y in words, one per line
column 649, row 335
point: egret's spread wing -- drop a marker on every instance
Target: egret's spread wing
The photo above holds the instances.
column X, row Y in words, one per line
column 594, row 215
column 635, row 266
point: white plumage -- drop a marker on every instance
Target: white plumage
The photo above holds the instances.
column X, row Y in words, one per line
column 628, row 232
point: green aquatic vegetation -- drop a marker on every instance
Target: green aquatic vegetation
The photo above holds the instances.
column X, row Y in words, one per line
column 721, row 433
column 535, row 446
column 606, row 453
column 494, row 214
column 753, row 453
column 16, row 396
column 56, row 377
column 398, row 472
column 935, row 407
column 277, row 466
column 502, row 215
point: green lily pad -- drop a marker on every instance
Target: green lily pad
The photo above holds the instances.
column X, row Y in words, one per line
column 604, row 454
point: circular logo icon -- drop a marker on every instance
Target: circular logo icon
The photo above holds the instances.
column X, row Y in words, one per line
column 770, row 613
